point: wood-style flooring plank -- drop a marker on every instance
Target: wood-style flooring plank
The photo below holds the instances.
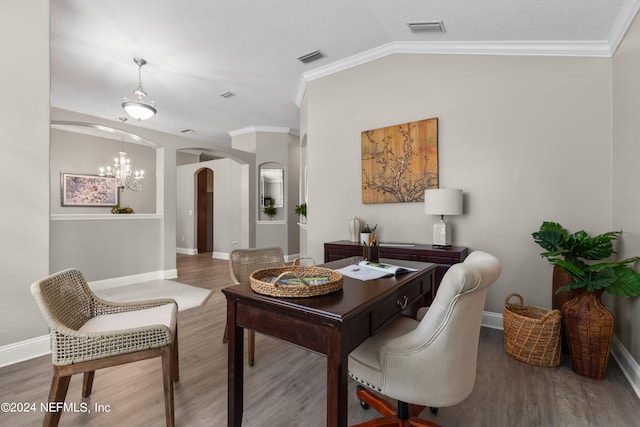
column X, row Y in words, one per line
column 286, row 387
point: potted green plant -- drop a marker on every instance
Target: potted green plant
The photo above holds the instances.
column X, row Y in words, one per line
column 584, row 315
column 301, row 210
column 270, row 211
column 365, row 232
column 559, row 244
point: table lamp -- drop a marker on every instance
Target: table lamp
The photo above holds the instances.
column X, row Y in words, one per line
column 442, row 201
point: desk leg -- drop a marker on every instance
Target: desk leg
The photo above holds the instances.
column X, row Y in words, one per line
column 235, row 368
column 337, row 380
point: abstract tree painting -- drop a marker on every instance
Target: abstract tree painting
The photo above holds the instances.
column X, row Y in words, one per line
column 399, row 162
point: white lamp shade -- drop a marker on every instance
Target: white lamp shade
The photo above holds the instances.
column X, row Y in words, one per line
column 138, row 110
column 443, row 201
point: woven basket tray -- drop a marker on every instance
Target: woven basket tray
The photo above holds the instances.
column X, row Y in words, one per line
column 295, row 281
column 532, row 334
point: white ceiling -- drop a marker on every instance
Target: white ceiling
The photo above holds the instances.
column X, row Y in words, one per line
column 198, row 49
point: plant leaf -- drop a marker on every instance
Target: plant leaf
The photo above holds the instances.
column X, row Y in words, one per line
column 551, row 236
column 600, row 279
column 627, row 283
column 598, row 247
column 575, row 270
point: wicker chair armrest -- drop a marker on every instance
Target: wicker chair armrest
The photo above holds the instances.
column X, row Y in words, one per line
column 69, row 346
column 102, row 306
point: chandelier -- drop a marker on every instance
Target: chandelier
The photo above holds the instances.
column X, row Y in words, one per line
column 138, row 108
column 123, row 174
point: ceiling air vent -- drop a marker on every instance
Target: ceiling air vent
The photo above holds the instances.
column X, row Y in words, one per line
column 187, row 131
column 227, row 94
column 311, row 56
column 426, row 27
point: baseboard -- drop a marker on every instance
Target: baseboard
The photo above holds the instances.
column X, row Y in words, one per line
column 24, row 350
column 170, row 274
column 187, row 251
column 135, row 278
column 220, row 255
column 492, row 320
column 292, row 257
column 627, row 363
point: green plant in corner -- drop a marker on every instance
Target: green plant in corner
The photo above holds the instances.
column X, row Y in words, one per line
column 570, row 251
column 270, row 211
column 301, row 209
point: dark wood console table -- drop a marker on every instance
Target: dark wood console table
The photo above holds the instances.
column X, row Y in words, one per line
column 332, row 325
column 444, row 258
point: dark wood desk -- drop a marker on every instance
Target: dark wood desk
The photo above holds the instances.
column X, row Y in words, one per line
column 332, row 325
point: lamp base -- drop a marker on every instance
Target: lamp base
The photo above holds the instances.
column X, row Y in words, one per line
column 441, row 235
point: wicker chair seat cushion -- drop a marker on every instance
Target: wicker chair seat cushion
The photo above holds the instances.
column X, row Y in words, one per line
column 161, row 315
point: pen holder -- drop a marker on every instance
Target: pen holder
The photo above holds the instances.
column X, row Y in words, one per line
column 371, row 253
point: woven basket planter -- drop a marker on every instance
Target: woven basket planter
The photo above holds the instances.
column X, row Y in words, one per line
column 532, row 334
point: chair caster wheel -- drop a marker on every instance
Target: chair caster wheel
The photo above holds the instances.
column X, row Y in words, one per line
column 363, row 404
column 433, row 410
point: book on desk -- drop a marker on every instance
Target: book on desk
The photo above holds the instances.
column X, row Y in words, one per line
column 367, row 270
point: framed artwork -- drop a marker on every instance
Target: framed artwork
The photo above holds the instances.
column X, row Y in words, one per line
column 399, row 162
column 89, row 190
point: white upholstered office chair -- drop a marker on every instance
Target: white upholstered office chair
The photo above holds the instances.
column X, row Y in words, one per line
column 89, row 333
column 243, row 262
column 432, row 362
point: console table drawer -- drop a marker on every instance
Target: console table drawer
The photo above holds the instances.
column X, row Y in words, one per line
column 400, row 301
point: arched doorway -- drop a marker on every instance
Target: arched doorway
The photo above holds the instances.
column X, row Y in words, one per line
column 204, row 203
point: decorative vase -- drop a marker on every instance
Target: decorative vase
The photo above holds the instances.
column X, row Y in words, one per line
column 364, row 237
column 589, row 328
column 560, row 279
column 354, row 229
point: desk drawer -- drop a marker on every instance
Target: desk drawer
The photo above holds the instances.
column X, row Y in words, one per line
column 394, row 305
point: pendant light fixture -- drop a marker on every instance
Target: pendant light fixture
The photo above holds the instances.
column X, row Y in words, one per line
column 123, row 172
column 138, row 108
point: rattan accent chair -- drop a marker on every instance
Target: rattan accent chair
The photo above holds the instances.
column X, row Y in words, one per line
column 431, row 362
column 243, row 262
column 88, row 333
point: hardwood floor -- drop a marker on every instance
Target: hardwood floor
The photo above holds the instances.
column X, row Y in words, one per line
column 286, row 386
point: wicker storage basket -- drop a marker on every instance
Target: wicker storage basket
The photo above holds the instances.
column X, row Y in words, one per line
column 295, row 281
column 532, row 334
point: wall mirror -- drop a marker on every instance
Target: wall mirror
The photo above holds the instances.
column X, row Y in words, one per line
column 272, row 187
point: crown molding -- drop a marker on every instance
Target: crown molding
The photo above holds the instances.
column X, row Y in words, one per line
column 270, row 129
column 621, row 26
column 563, row 48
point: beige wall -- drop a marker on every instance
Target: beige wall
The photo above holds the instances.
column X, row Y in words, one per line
column 626, row 175
column 24, row 164
column 528, row 139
